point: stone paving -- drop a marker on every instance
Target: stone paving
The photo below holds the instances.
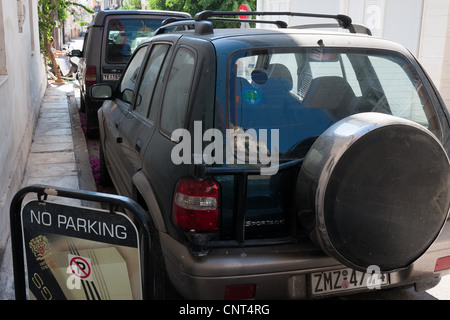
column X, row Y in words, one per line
column 52, row 161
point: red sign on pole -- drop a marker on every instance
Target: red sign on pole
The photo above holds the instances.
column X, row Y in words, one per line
column 244, row 7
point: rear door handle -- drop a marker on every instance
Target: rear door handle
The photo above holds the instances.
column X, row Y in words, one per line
column 138, row 145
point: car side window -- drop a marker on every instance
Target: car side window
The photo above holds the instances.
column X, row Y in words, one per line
column 176, row 97
column 129, row 78
column 158, row 92
column 150, row 77
column 124, row 35
column 403, row 91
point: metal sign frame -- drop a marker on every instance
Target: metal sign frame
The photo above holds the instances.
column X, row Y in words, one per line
column 114, row 201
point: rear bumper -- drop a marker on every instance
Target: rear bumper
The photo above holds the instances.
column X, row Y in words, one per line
column 279, row 272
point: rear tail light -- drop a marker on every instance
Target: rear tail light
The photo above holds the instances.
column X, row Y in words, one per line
column 91, row 75
column 196, row 205
column 442, row 264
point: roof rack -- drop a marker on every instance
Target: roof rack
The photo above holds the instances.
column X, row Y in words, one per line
column 344, row 22
column 341, row 19
column 200, row 27
column 280, row 24
column 353, row 28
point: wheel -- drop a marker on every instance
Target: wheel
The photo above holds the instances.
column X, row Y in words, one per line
column 374, row 191
column 161, row 287
column 158, row 286
column 104, row 177
column 91, row 123
column 82, row 104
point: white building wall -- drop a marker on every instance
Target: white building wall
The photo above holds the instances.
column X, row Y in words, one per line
column 22, row 86
column 434, row 51
column 403, row 23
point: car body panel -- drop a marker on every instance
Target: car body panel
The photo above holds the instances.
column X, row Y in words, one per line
column 279, row 272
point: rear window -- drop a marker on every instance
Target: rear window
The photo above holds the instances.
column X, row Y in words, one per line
column 301, row 92
column 124, row 35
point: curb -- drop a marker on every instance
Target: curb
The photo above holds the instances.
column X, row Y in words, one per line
column 86, row 179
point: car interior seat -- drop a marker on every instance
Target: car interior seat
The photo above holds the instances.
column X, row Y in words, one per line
column 333, row 95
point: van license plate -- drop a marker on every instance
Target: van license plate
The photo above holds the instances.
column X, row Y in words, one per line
column 345, row 280
column 111, row 76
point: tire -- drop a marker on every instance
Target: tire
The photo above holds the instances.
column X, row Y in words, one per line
column 161, row 287
column 91, row 123
column 374, row 190
column 104, row 177
column 157, row 280
column 82, row 104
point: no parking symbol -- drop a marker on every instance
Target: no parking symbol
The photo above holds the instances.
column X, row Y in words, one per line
column 81, row 267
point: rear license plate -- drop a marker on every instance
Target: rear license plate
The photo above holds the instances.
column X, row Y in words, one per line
column 345, row 280
column 111, row 76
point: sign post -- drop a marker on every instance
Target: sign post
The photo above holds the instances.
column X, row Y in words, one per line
column 78, row 253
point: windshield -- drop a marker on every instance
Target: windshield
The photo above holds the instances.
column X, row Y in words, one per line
column 124, row 35
column 301, row 92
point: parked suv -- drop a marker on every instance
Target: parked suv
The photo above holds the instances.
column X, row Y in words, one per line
column 109, row 42
column 281, row 163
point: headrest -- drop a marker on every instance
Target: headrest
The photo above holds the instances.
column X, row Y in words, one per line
column 278, row 70
column 328, row 93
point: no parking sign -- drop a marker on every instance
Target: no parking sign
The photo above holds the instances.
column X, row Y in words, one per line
column 80, row 267
column 77, row 252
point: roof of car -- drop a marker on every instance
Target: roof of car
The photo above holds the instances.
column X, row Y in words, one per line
column 286, row 37
column 101, row 15
column 343, row 32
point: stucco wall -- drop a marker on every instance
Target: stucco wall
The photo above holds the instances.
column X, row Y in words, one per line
column 434, row 51
column 21, row 92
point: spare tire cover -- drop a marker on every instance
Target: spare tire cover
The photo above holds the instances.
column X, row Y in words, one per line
column 377, row 187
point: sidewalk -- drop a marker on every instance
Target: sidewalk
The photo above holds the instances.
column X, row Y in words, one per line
column 58, row 157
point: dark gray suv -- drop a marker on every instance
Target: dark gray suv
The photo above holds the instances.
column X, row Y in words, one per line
column 281, row 163
column 110, row 40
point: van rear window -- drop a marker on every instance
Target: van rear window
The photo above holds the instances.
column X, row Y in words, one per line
column 124, row 35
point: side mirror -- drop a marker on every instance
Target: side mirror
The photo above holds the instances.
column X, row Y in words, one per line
column 101, row 91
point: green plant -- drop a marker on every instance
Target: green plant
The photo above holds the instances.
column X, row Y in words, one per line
column 50, row 12
column 194, row 6
column 131, row 5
